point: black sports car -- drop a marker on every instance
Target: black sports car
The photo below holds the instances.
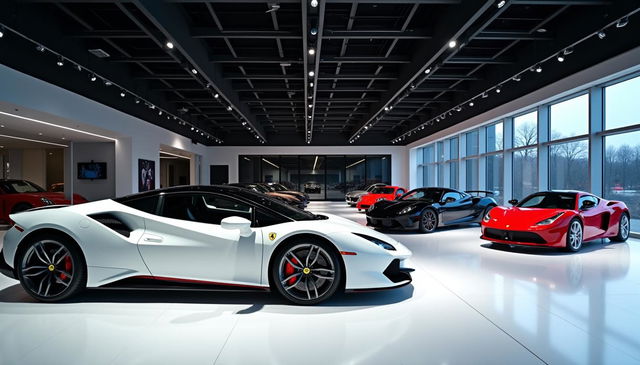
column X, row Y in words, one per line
column 425, row 209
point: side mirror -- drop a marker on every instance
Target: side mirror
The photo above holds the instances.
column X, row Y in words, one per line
column 513, row 201
column 237, row 223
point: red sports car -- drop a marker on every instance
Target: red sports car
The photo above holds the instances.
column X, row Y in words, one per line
column 379, row 193
column 557, row 219
column 19, row 195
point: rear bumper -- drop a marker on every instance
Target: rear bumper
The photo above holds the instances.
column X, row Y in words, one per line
column 5, row 269
column 404, row 222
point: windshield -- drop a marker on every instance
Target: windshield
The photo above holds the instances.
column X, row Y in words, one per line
column 382, row 191
column 20, row 186
column 423, row 194
column 549, row 200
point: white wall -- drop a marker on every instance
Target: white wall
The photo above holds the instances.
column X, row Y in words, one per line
column 135, row 138
column 229, row 156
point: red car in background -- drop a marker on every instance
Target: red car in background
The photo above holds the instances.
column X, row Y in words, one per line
column 19, row 195
column 557, row 219
column 379, row 193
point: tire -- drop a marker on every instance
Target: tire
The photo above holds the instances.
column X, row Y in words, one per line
column 51, row 268
column 624, row 227
column 21, row 207
column 315, row 281
column 574, row 236
column 428, row 221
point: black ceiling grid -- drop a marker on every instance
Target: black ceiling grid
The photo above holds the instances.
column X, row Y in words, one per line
column 255, row 80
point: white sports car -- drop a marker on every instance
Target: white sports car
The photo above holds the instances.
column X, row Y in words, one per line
column 198, row 236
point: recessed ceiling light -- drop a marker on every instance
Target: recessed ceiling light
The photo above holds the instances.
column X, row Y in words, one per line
column 501, row 3
column 541, row 30
column 169, row 45
column 452, row 43
column 216, row 95
column 314, row 3
column 312, row 51
column 39, row 133
column 194, row 71
column 312, row 74
column 428, row 70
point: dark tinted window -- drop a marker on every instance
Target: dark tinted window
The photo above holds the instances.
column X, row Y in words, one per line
column 423, row 194
column 20, row 186
column 549, row 200
column 265, row 218
column 382, row 191
column 147, row 205
column 203, row 208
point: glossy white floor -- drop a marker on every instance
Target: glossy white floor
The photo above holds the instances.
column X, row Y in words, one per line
column 468, row 304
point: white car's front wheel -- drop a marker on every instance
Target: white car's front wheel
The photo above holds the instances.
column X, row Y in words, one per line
column 307, row 271
column 51, row 268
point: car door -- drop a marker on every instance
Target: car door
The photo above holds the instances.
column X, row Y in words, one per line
column 591, row 216
column 458, row 210
column 185, row 240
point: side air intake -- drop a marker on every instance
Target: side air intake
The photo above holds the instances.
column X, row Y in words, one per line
column 113, row 222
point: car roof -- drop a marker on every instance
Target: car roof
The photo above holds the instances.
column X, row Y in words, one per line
column 221, row 189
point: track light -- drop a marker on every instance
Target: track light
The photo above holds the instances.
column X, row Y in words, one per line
column 122, row 94
column 314, row 31
column 40, row 48
column 1, row 32
column 452, row 43
column 516, row 78
column 538, row 69
column 428, row 70
column 311, row 84
column 194, row 71
column 413, row 86
column 93, row 77
column 501, row 3
column 137, row 101
column 159, row 112
column 169, row 45
column 471, row 104
column 484, row 95
column 458, row 109
column 560, row 57
column 229, row 108
column 109, row 83
column 314, row 3
column 310, row 105
column 216, row 95
column 60, row 61
column 386, row 108
column 601, row 34
column 622, row 22
column 498, row 89
column 311, row 73
column 312, row 51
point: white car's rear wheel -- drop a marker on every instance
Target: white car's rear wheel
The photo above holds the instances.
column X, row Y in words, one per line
column 50, row 268
column 307, row 272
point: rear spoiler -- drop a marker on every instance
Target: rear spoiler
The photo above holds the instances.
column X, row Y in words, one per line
column 486, row 192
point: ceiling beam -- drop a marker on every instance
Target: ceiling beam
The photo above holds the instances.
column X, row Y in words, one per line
column 373, row 34
column 167, row 17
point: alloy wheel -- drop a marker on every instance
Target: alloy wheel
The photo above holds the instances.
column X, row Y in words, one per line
column 575, row 235
column 429, row 220
column 47, row 268
column 306, row 272
column 624, row 227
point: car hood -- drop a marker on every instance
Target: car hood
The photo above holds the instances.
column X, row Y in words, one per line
column 520, row 218
column 394, row 207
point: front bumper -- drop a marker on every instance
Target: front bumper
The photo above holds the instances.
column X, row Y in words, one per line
column 399, row 276
column 5, row 269
column 402, row 222
column 545, row 238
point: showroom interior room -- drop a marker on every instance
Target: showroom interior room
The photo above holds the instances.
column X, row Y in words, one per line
column 467, row 172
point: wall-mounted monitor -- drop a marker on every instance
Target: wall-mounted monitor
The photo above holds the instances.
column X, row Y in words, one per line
column 92, row 170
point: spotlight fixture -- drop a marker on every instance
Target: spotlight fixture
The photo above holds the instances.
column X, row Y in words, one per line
column 516, row 78
column 560, row 57
column 498, row 89
column 108, row 83
column 484, row 95
column 458, row 109
column 541, row 30
column 1, row 32
column 122, row 94
column 386, row 108
column 309, row 117
column 567, row 51
column 622, row 22
column 311, row 84
column 78, row 67
column 312, row 51
column 216, row 95
column 60, row 61
column 601, row 34
column 314, row 31
column 229, row 108
column 413, row 86
column 152, row 107
column 93, row 77
column 501, row 3
column 311, row 73
column 452, row 43
column 538, row 69
column 159, row 112
column 314, row 3
column 471, row 104
column 428, row 70
column 310, row 105
column 40, row 48
column 194, row 71
column 169, row 45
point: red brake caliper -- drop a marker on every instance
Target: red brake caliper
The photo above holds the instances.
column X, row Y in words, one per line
column 289, row 270
column 67, row 267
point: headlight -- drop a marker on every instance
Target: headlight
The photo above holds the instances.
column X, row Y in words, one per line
column 549, row 220
column 487, row 217
column 380, row 243
column 46, row 201
column 407, row 209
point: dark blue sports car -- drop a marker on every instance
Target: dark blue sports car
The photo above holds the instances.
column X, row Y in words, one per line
column 426, row 209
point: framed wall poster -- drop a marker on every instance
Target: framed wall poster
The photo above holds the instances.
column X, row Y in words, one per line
column 146, row 175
